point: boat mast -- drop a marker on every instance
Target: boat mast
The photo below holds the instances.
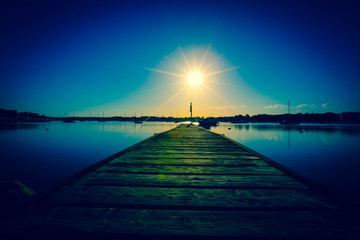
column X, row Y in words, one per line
column 289, row 108
column 289, row 114
column 190, row 111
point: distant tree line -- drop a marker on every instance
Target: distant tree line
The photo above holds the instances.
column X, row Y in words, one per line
column 329, row 117
column 126, row 119
column 15, row 116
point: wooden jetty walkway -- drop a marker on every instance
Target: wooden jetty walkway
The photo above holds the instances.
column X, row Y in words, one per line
column 185, row 183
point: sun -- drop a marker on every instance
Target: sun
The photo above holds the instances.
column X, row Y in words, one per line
column 194, row 74
column 195, row 79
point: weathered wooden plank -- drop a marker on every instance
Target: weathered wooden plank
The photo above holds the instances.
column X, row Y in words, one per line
column 192, row 150
column 192, row 162
column 200, row 142
column 240, row 224
column 177, row 144
column 184, row 155
column 155, row 144
column 188, row 198
column 172, row 153
column 199, row 170
column 188, row 158
column 202, row 181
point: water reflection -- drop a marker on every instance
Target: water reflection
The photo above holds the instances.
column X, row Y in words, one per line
column 40, row 155
column 328, row 154
column 12, row 127
column 324, row 128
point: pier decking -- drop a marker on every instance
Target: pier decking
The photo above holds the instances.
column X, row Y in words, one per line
column 186, row 182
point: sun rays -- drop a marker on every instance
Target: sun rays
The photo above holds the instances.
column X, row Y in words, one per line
column 194, row 74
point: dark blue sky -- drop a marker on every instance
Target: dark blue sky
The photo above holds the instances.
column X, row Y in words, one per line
column 92, row 56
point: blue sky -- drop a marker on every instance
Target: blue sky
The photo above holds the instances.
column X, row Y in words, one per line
column 92, row 57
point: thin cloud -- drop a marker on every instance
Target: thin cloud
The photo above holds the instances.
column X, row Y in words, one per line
column 280, row 106
column 305, row 107
column 276, row 106
column 302, row 106
column 223, row 107
column 326, row 105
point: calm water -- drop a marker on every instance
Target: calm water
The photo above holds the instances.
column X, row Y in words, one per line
column 327, row 154
column 40, row 155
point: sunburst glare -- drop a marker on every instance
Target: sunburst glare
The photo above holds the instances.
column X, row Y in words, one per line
column 195, row 78
column 195, row 74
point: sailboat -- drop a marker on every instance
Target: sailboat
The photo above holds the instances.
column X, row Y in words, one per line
column 68, row 119
column 289, row 122
column 137, row 121
column 102, row 119
column 208, row 122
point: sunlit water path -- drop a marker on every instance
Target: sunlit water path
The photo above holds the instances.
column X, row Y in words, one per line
column 39, row 155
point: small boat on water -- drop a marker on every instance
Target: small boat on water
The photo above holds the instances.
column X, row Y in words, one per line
column 69, row 121
column 208, row 122
column 289, row 122
column 240, row 121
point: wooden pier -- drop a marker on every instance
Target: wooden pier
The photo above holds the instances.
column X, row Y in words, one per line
column 185, row 183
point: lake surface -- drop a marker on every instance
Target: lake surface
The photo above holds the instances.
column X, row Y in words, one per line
column 327, row 154
column 39, row 155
